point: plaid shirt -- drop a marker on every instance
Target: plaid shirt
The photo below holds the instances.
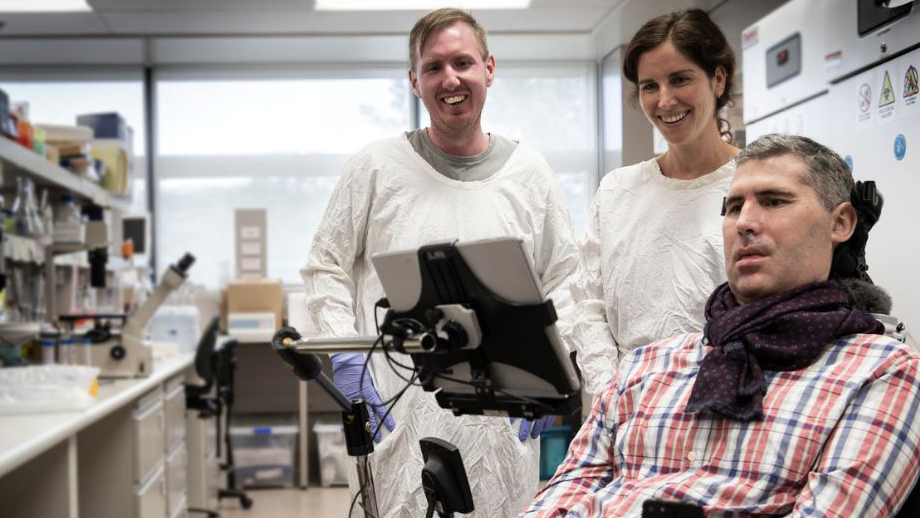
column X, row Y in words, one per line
column 838, row 438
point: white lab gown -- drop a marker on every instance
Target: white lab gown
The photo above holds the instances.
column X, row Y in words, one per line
column 650, row 257
column 389, row 198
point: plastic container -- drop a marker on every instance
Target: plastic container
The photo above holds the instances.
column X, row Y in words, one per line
column 178, row 324
column 47, row 345
column 263, row 454
column 68, row 222
column 554, row 443
column 68, row 351
column 47, row 388
column 86, row 352
column 333, row 454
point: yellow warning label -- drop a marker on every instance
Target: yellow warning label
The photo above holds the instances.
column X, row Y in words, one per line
column 910, row 82
column 887, row 96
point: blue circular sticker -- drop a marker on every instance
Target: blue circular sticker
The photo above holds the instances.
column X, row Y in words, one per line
column 849, row 161
column 900, row 146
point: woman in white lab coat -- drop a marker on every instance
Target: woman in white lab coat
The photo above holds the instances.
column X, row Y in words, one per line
column 652, row 250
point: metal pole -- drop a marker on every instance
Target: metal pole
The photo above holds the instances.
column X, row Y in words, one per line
column 366, row 483
column 356, row 344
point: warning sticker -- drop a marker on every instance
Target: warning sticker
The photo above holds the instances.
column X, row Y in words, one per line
column 864, row 104
column 887, row 96
column 910, row 86
column 865, row 98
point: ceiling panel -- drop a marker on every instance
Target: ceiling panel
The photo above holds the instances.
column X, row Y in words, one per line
column 24, row 24
column 319, row 49
column 110, row 51
column 249, row 5
column 575, row 19
column 228, row 17
column 198, row 5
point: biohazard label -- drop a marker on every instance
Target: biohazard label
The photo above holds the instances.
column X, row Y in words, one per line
column 886, row 99
column 887, row 96
column 910, row 86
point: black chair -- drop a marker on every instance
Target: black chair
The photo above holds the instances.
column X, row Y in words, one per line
column 211, row 399
column 226, row 368
column 199, row 397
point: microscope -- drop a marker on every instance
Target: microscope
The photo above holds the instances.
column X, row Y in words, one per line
column 124, row 353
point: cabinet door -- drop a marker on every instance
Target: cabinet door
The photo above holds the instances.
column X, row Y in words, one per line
column 175, row 415
column 148, row 437
column 176, row 478
column 150, row 499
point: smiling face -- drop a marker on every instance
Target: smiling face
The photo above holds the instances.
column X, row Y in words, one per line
column 677, row 96
column 777, row 234
column 451, row 78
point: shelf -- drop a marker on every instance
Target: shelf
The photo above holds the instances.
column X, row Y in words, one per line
column 15, row 160
column 27, row 250
column 23, row 249
column 19, row 332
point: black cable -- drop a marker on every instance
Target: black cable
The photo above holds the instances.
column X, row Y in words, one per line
column 377, row 305
column 367, row 360
column 392, row 402
column 374, row 406
column 391, row 362
column 355, row 499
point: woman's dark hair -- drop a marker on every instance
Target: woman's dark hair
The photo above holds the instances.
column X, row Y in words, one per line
column 695, row 36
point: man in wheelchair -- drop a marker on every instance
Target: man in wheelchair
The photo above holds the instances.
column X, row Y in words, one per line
column 791, row 401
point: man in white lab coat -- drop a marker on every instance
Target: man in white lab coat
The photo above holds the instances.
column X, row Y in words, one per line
column 451, row 180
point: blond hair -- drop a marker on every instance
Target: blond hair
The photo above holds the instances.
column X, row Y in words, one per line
column 440, row 19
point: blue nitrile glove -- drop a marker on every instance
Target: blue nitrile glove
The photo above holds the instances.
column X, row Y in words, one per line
column 533, row 428
column 346, row 373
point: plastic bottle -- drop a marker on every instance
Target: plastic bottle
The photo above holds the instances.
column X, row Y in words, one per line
column 47, row 345
column 37, row 224
column 87, row 351
column 68, row 351
column 20, row 215
column 68, row 211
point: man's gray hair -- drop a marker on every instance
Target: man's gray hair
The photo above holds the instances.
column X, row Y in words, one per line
column 826, row 172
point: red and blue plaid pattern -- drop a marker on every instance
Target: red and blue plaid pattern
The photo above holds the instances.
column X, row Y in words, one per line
column 838, row 438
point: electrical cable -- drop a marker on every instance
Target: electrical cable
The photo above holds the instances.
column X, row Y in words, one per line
column 355, row 500
column 392, row 402
column 367, row 358
column 391, row 362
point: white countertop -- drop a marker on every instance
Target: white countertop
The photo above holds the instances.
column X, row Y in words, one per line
column 23, row 437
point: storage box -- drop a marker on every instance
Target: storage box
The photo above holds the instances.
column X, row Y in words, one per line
column 264, row 454
column 333, row 454
column 178, row 324
column 256, row 296
column 106, row 125
column 554, row 443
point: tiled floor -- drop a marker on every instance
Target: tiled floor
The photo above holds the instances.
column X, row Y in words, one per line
column 315, row 502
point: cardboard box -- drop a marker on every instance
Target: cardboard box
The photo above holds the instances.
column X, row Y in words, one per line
column 255, row 296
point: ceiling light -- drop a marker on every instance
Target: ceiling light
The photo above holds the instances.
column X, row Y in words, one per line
column 42, row 6
column 420, row 5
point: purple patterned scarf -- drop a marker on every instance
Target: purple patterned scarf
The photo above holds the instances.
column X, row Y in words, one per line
column 783, row 332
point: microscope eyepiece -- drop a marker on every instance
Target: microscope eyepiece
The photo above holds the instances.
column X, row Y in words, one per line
column 185, row 263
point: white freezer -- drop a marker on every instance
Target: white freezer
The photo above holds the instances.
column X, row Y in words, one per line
column 866, row 119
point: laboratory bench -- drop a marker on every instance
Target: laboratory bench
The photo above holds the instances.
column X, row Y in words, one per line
column 123, row 456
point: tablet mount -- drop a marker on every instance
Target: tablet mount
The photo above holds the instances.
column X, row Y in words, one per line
column 457, row 321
